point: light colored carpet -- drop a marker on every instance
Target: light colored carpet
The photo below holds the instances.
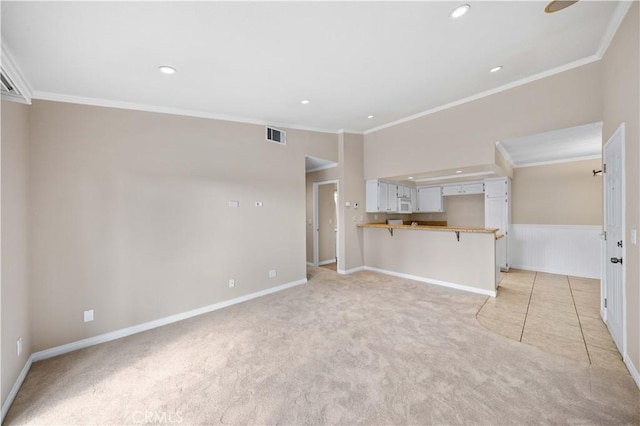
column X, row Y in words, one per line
column 361, row 349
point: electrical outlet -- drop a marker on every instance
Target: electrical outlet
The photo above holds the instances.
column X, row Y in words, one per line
column 19, row 346
column 232, row 283
column 273, row 273
column 88, row 315
column 634, row 237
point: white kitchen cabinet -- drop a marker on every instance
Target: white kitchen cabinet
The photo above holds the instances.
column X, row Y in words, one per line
column 406, row 192
column 497, row 214
column 392, row 198
column 466, row 188
column 430, row 199
column 414, row 199
column 381, row 197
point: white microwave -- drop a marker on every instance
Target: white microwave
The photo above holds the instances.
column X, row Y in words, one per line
column 404, row 205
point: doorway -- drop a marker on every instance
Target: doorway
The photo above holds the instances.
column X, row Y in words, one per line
column 614, row 227
column 325, row 223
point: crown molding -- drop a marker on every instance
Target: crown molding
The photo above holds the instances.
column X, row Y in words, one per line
column 512, row 85
column 16, row 76
column 618, row 16
column 108, row 103
column 505, row 154
column 564, row 160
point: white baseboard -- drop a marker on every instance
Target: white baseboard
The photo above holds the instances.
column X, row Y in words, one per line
column 326, row 262
column 351, row 271
column 16, row 388
column 632, row 369
column 310, row 264
column 102, row 338
column 432, row 281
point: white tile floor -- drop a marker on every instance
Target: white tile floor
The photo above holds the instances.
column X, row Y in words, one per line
column 557, row 313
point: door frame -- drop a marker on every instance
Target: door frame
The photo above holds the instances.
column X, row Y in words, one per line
column 620, row 132
column 316, row 242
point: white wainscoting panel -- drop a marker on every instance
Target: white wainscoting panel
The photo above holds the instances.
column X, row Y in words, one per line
column 558, row 249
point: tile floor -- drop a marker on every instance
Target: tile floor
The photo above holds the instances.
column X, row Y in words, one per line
column 557, row 313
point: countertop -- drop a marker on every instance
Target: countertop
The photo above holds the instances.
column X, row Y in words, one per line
column 431, row 228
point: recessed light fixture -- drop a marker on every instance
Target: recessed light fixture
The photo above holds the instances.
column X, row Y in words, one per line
column 496, row 69
column 458, row 171
column 556, row 5
column 166, row 69
column 370, row 116
column 305, row 101
column 410, row 177
column 459, row 11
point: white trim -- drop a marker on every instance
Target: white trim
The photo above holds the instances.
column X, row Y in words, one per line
column 570, row 227
column 102, row 338
column 432, row 281
column 564, row 160
column 327, row 166
column 459, row 175
column 327, row 262
column 521, row 82
column 310, row 264
column 316, row 243
column 505, row 154
column 16, row 76
column 57, row 97
column 16, row 387
column 351, row 271
column 632, row 369
column 614, row 24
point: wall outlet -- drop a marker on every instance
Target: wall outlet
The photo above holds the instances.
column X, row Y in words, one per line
column 88, row 315
column 19, row 346
column 232, row 283
column 234, row 203
column 273, row 273
column 634, row 237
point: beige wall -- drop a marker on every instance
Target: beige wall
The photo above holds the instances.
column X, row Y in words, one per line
column 435, row 255
column 465, row 135
column 621, row 89
column 352, row 189
column 15, row 292
column 318, row 176
column 557, row 194
column 130, row 215
column 327, row 223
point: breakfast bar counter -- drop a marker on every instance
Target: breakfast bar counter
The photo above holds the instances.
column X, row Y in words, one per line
column 452, row 256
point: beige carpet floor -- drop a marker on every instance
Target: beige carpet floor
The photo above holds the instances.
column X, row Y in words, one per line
column 359, row 349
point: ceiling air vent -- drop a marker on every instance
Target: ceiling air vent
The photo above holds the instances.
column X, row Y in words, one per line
column 276, row 136
column 9, row 89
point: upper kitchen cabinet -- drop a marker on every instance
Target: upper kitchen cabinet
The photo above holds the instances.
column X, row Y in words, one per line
column 466, row 188
column 430, row 199
column 382, row 197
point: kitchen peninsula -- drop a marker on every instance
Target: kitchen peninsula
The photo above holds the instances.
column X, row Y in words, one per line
column 457, row 257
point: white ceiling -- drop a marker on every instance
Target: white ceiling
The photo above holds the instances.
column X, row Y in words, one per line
column 569, row 144
column 256, row 61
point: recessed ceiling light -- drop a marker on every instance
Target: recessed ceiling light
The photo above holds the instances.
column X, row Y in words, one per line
column 305, row 101
column 496, row 69
column 459, row 11
column 458, row 171
column 370, row 116
column 556, row 5
column 165, row 69
column 410, row 177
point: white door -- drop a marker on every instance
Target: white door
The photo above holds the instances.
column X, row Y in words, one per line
column 614, row 228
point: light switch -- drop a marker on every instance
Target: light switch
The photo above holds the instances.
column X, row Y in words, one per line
column 88, row 315
column 234, row 203
column 634, row 237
